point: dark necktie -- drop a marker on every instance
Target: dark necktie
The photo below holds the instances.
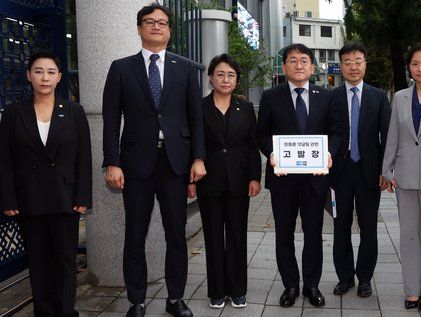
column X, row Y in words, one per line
column 155, row 80
column 300, row 109
column 355, row 116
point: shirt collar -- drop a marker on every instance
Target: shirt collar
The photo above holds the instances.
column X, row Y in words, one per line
column 147, row 54
column 292, row 86
column 359, row 86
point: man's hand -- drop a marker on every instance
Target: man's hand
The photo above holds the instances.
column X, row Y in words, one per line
column 197, row 170
column 11, row 213
column 273, row 164
column 191, row 190
column 114, row 177
column 391, row 186
column 382, row 183
column 329, row 164
column 80, row 209
column 254, row 188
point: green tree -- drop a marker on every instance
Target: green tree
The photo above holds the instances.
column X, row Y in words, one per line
column 255, row 65
column 387, row 28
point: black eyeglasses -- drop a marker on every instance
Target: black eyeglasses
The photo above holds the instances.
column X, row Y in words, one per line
column 162, row 24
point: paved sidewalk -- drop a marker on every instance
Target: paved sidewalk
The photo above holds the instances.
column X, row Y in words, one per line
column 264, row 285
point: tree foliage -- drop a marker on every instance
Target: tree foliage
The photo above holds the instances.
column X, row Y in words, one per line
column 255, row 65
column 387, row 28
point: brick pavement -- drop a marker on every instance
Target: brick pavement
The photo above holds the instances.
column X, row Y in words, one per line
column 264, row 285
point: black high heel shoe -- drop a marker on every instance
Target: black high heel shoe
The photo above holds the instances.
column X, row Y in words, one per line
column 412, row 304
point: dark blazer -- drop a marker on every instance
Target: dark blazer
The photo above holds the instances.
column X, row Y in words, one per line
column 372, row 132
column 237, row 158
column 179, row 116
column 38, row 179
column 277, row 117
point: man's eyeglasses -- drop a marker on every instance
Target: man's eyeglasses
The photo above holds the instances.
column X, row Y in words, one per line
column 162, row 24
column 294, row 62
column 356, row 63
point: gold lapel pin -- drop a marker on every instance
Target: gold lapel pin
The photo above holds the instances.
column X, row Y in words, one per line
column 60, row 106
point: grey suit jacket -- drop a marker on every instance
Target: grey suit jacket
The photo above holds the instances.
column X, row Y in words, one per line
column 402, row 158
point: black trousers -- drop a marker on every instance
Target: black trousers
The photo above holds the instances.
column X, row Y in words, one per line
column 139, row 195
column 285, row 208
column 353, row 187
column 224, row 220
column 51, row 245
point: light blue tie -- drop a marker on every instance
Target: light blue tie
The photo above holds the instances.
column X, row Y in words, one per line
column 355, row 116
column 155, row 80
column 300, row 109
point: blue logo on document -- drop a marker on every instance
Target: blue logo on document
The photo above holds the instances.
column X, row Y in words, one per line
column 301, row 163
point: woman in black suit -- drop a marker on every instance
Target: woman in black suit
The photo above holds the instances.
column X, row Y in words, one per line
column 46, row 180
column 233, row 168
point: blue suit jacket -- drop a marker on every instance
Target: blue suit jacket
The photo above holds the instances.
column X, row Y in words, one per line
column 127, row 93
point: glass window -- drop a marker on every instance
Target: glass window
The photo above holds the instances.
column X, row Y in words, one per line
column 331, row 55
column 322, row 56
column 309, row 14
column 325, row 31
column 304, row 30
column 285, row 31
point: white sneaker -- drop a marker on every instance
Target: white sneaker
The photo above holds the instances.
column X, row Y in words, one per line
column 217, row 302
column 239, row 302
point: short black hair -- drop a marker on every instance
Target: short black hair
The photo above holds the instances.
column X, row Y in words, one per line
column 299, row 48
column 43, row 54
column 411, row 52
column 224, row 58
column 352, row 47
column 150, row 9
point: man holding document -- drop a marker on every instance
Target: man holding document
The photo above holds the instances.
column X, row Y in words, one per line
column 298, row 108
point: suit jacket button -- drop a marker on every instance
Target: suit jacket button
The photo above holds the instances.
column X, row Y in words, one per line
column 159, row 116
column 416, row 143
column 34, row 166
column 224, row 150
column 53, row 164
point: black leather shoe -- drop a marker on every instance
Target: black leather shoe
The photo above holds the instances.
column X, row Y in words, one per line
column 136, row 311
column 288, row 297
column 412, row 303
column 315, row 297
column 364, row 289
column 178, row 309
column 343, row 287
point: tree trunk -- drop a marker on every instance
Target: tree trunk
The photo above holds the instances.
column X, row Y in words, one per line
column 399, row 67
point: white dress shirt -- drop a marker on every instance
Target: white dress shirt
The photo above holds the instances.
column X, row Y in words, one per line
column 43, row 128
column 350, row 94
column 160, row 62
column 304, row 94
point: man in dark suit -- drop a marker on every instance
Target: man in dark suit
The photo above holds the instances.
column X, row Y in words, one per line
column 364, row 113
column 162, row 138
column 297, row 107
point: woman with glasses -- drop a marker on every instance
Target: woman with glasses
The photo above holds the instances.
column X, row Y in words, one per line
column 233, row 168
column 402, row 168
column 46, row 182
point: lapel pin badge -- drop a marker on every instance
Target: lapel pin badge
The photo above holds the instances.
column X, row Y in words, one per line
column 60, row 106
column 238, row 109
column 61, row 115
column 315, row 91
column 174, row 62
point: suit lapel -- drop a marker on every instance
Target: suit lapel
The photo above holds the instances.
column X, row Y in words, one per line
column 313, row 92
column 236, row 118
column 343, row 107
column 169, row 71
column 30, row 122
column 290, row 109
column 139, row 68
column 209, row 115
column 58, row 119
column 407, row 112
column 365, row 104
